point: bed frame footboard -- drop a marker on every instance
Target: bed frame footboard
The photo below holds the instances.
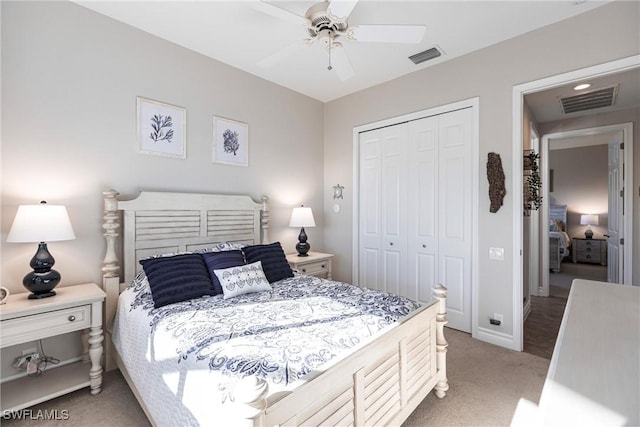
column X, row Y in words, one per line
column 380, row 384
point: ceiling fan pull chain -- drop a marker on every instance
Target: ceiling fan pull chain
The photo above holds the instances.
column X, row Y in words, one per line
column 330, row 45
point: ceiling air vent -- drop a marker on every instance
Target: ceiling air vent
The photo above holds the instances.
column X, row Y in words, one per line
column 589, row 100
column 426, row 55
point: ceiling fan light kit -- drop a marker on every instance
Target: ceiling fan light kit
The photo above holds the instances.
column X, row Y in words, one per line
column 327, row 21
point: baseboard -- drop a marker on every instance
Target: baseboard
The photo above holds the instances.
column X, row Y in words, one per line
column 497, row 338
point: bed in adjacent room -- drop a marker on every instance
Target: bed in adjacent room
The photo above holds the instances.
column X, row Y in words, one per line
column 211, row 326
column 559, row 240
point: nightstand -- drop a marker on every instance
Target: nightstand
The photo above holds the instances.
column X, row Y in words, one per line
column 590, row 250
column 316, row 264
column 73, row 308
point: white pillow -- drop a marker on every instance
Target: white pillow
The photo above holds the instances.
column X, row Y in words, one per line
column 243, row 279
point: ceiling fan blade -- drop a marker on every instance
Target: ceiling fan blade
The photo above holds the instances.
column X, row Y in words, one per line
column 279, row 13
column 341, row 63
column 283, row 53
column 341, row 8
column 388, row 33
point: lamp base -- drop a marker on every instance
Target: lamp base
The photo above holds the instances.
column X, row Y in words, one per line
column 303, row 247
column 588, row 234
column 41, row 281
column 40, row 296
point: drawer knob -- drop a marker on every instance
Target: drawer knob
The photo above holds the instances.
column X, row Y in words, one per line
column 72, row 318
column 391, row 243
column 424, row 246
column 322, row 266
column 304, row 270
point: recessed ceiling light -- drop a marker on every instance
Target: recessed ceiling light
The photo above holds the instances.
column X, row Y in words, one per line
column 582, row 86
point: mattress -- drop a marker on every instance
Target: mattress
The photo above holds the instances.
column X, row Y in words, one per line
column 186, row 358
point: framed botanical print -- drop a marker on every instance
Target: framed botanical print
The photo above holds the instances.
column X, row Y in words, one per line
column 161, row 128
column 230, row 142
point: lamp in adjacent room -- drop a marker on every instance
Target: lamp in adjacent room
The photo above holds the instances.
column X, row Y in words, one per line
column 302, row 217
column 41, row 223
column 588, row 220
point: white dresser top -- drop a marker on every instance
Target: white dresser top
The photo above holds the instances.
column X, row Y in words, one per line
column 594, row 375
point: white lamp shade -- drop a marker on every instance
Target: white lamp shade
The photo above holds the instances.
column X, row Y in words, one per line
column 41, row 223
column 302, row 217
column 588, row 219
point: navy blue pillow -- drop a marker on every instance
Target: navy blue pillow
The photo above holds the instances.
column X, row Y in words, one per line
column 274, row 262
column 177, row 278
column 220, row 260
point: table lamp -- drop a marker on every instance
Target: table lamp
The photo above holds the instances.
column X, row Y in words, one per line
column 302, row 217
column 588, row 220
column 41, row 223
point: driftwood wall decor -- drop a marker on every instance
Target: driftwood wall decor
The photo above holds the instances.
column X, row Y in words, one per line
column 495, row 174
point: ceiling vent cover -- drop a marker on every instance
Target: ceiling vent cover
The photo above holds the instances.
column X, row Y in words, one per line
column 426, row 55
column 588, row 101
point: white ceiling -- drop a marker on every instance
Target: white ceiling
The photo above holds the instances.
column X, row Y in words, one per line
column 238, row 34
column 546, row 104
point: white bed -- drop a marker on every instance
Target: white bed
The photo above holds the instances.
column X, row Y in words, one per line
column 379, row 379
column 559, row 240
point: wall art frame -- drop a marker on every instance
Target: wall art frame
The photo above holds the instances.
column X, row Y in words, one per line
column 230, row 142
column 161, row 128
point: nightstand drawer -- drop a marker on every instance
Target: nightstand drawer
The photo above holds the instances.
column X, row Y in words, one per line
column 316, row 268
column 37, row 326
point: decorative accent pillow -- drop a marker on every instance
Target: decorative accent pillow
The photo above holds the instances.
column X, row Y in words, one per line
column 220, row 260
column 177, row 278
column 229, row 246
column 243, row 279
column 274, row 262
column 560, row 224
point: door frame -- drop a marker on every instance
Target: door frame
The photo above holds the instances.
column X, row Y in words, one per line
column 627, row 131
column 474, row 104
column 519, row 91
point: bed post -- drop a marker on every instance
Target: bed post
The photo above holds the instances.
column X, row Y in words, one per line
column 111, row 268
column 440, row 294
column 264, row 220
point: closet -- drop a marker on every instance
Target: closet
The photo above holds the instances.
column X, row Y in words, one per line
column 415, row 210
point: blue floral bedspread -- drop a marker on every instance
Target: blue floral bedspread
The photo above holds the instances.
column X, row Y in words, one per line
column 280, row 335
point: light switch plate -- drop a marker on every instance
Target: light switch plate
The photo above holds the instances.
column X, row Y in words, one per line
column 496, row 254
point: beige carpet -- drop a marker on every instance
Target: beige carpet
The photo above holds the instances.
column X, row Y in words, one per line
column 485, row 382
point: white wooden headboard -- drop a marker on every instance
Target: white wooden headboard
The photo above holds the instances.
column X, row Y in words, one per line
column 558, row 212
column 156, row 223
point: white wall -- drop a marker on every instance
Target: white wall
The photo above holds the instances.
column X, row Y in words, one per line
column 607, row 33
column 70, row 78
column 580, row 181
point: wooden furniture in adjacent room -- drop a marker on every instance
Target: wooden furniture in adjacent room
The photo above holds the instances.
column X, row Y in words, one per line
column 22, row 320
column 315, row 264
column 593, row 251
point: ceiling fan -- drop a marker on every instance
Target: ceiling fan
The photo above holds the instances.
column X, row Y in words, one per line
column 327, row 23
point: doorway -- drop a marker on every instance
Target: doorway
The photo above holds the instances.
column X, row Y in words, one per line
column 605, row 204
column 519, row 92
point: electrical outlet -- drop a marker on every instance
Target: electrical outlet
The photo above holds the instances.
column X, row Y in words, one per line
column 496, row 319
column 29, row 351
